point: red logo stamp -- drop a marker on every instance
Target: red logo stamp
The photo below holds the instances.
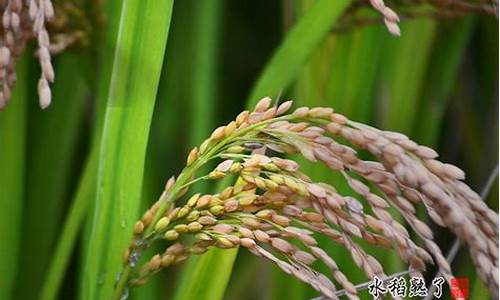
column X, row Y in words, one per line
column 460, row 288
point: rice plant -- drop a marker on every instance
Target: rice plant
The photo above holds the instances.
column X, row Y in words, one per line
column 338, row 194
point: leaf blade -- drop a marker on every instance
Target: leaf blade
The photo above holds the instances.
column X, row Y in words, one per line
column 216, row 262
column 140, row 50
column 296, row 48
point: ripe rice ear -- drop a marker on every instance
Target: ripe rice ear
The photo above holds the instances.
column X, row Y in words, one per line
column 437, row 189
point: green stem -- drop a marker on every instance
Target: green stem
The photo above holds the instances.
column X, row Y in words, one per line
column 122, row 283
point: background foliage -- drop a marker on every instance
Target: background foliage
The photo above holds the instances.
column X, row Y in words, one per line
column 437, row 83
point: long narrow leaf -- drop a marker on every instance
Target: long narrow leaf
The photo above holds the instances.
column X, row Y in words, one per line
column 214, row 268
column 107, row 39
column 141, row 43
column 356, row 60
column 405, row 64
column 85, row 192
column 445, row 60
column 297, row 47
column 204, row 69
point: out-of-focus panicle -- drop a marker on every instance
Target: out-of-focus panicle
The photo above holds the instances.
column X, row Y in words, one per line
column 21, row 21
column 391, row 19
column 39, row 12
column 276, row 211
column 395, row 11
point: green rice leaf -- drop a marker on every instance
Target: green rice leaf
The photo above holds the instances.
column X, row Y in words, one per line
column 85, row 193
column 296, row 48
column 204, row 69
column 206, row 276
column 446, row 56
column 403, row 75
column 140, row 49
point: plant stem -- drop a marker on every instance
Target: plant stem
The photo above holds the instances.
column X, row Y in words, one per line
column 121, row 284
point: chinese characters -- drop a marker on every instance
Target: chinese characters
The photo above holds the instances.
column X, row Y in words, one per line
column 397, row 287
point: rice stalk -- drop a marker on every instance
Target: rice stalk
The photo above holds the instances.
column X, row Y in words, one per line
column 204, row 68
column 273, row 203
column 357, row 57
column 212, row 268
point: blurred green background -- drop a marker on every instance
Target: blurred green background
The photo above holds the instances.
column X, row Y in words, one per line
column 438, row 83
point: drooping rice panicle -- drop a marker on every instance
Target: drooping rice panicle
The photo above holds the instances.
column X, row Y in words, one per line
column 21, row 21
column 274, row 210
column 391, row 19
